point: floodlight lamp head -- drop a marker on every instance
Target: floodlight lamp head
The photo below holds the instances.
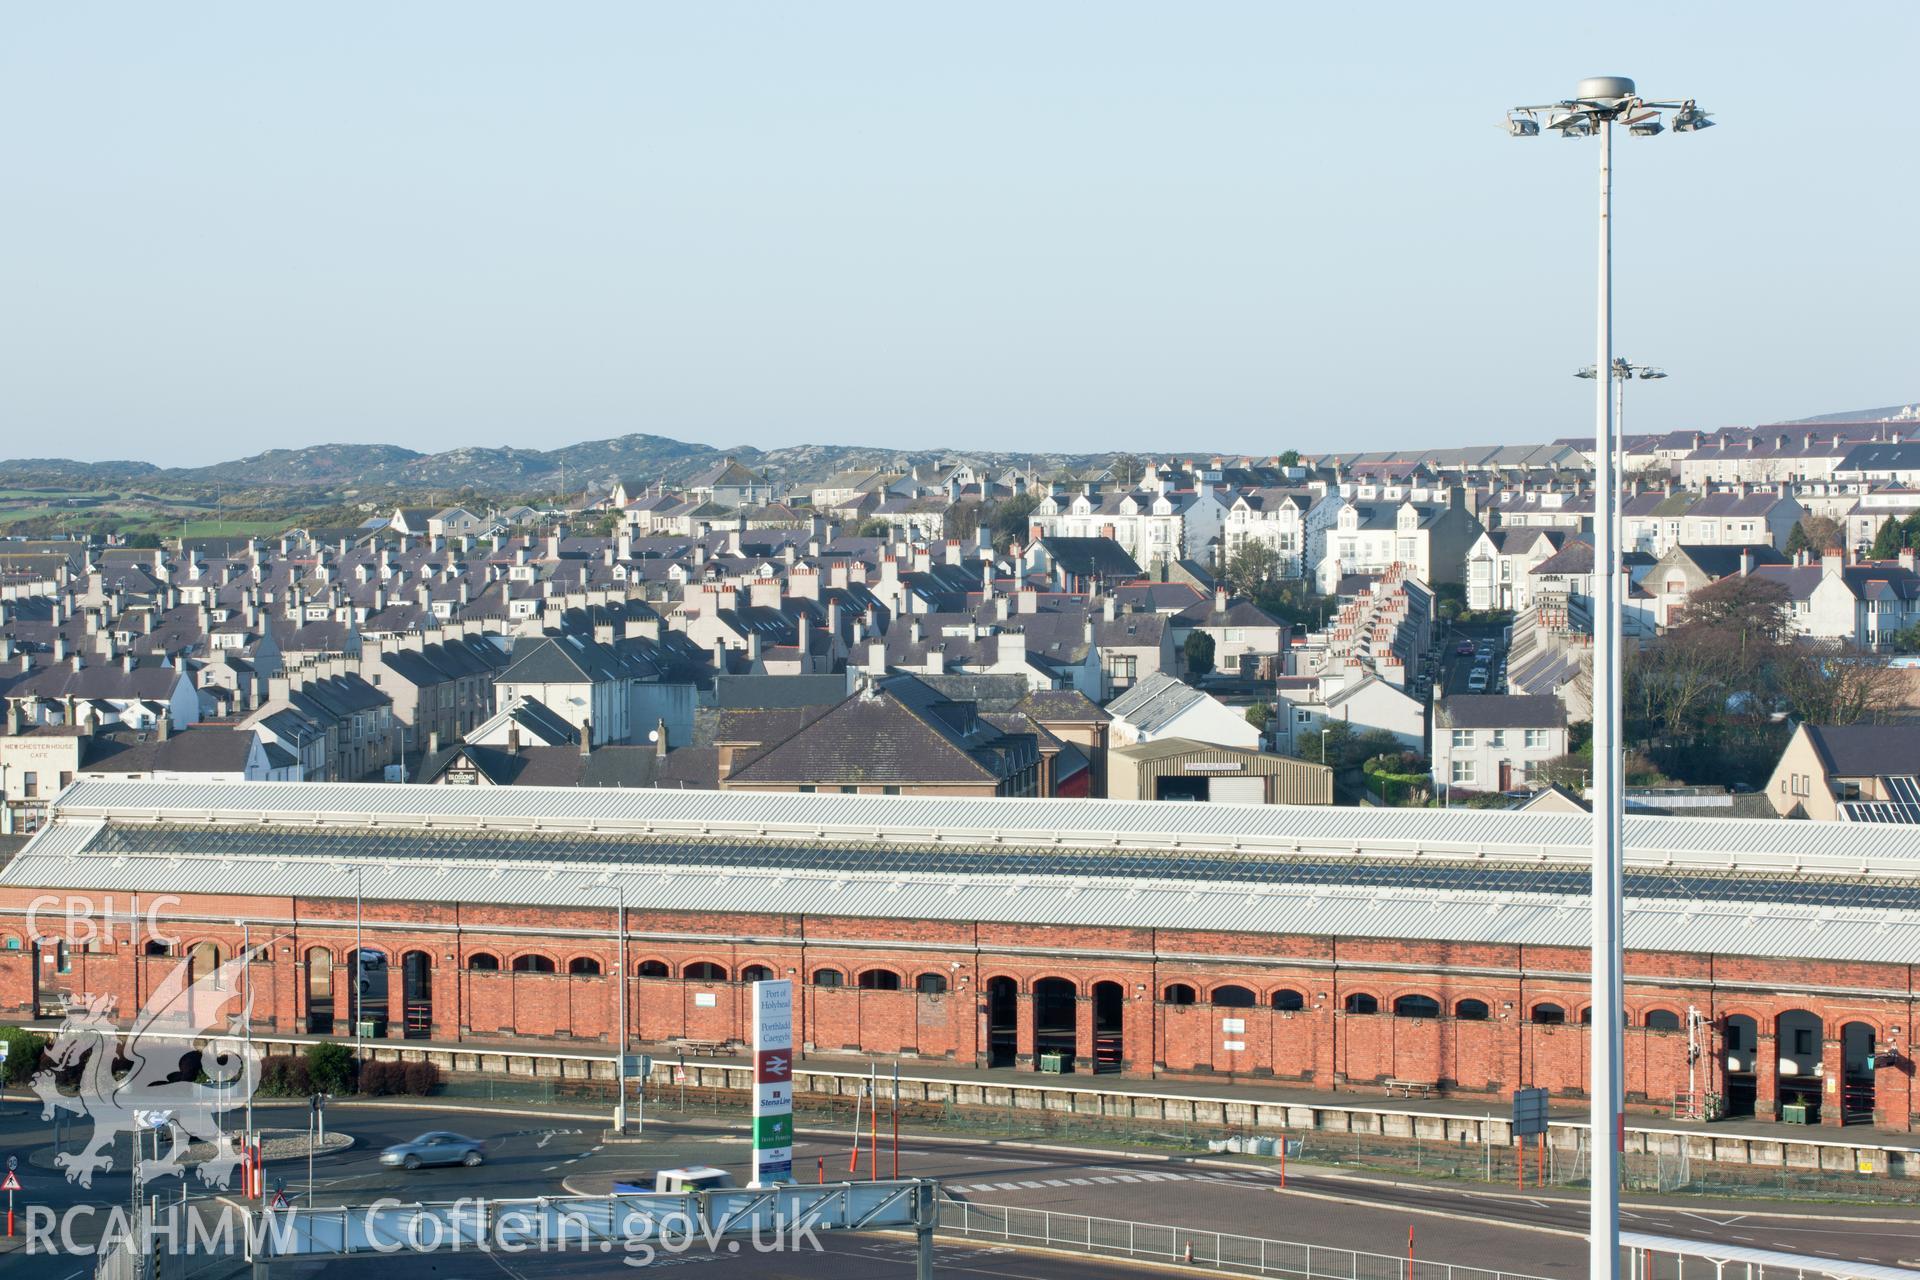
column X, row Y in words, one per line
column 1653, row 373
column 1604, row 89
column 1647, row 129
column 1523, row 126
column 1691, row 119
column 1587, row 372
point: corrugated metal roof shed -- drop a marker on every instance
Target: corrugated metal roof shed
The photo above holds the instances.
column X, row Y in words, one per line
column 889, row 858
column 1726, row 843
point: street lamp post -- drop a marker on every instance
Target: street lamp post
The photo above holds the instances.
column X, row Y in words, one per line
column 620, row 1068
column 1598, row 104
column 359, row 996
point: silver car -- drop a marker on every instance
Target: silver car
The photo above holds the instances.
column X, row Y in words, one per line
column 438, row 1147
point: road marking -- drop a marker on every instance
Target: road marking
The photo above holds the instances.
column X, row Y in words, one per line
column 1056, row 1182
column 1030, row 1185
column 1108, row 1181
column 1124, row 1177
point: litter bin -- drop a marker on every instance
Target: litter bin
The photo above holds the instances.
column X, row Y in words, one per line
column 1793, row 1113
column 1053, row 1063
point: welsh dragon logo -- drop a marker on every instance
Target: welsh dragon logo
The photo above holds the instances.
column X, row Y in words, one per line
column 180, row 1013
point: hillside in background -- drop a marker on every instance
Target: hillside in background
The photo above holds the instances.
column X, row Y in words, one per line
column 359, row 468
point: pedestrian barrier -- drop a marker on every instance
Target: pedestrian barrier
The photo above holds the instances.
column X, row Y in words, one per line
column 1222, row 1251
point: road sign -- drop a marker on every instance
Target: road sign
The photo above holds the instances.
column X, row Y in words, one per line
column 318, row 1101
column 1529, row 1112
column 773, row 1075
column 4, row 1046
column 636, row 1066
column 11, row 1183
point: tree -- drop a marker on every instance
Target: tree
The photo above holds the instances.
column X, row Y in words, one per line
column 1260, row 715
column 1796, row 540
column 1127, row 470
column 1291, row 458
column 1836, row 685
column 329, row 1065
column 1199, row 653
column 1253, row 568
column 23, row 1054
column 1822, row 532
column 1887, row 543
column 1009, row 520
column 873, row 527
column 1910, row 530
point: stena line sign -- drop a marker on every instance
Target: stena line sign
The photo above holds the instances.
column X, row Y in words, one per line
column 773, row 1082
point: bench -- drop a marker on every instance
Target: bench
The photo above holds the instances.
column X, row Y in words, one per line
column 1407, row 1088
column 711, row 1048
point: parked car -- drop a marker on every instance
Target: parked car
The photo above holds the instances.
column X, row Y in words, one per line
column 698, row 1177
column 1477, row 682
column 1464, row 648
column 438, row 1147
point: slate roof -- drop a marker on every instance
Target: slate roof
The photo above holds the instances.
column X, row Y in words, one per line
column 1501, row 711
column 1091, row 557
column 1720, row 562
column 199, row 749
column 1866, row 750
column 900, row 732
column 612, row 766
column 753, row 691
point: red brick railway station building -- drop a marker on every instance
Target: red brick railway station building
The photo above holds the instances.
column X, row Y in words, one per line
column 1771, row 964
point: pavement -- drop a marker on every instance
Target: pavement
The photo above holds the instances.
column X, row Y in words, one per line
column 1224, row 1086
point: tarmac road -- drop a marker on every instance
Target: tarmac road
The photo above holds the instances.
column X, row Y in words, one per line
column 1532, row 1233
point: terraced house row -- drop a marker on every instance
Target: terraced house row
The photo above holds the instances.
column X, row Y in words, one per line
column 1770, row 970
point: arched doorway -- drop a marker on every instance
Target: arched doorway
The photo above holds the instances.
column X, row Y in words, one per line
column 1003, row 1022
column 203, row 961
column 319, row 991
column 1740, row 1043
column 1797, row 1042
column 370, row 993
column 416, row 994
column 1856, row 1076
column 1056, row 1021
column 1109, row 1016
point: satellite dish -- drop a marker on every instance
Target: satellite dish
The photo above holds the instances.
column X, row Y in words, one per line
column 653, row 735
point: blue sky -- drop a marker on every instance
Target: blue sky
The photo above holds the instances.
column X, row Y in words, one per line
column 1069, row 226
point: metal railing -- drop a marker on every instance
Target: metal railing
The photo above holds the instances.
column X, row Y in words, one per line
column 1223, row 1251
